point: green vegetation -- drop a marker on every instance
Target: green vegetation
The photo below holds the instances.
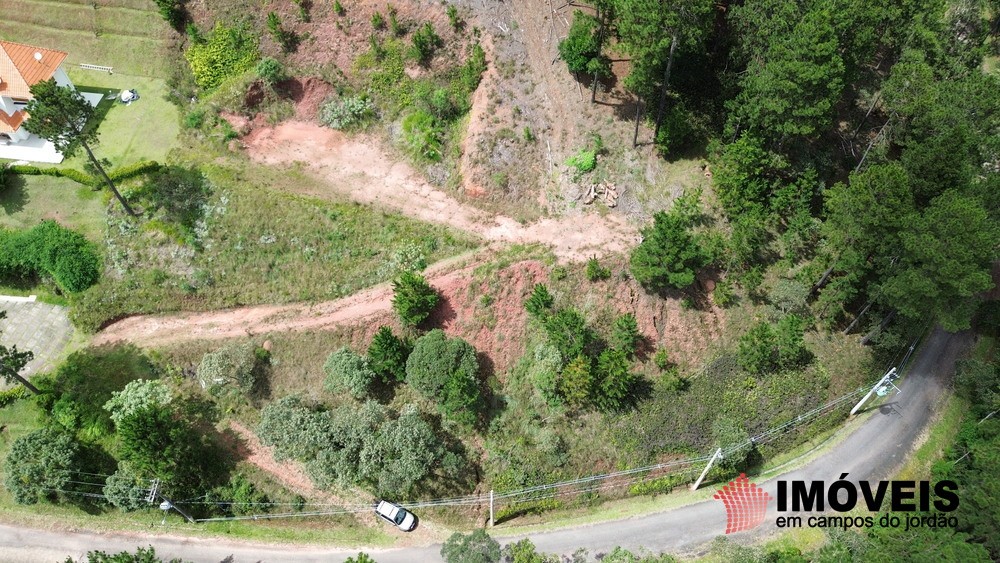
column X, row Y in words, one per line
column 581, row 49
column 141, row 555
column 413, row 298
column 347, row 113
column 425, row 43
column 49, row 250
column 767, row 348
column 39, row 464
column 227, row 51
column 283, row 37
column 173, row 12
column 595, row 271
column 540, row 301
column 445, row 371
column 669, row 255
column 387, row 355
column 347, row 371
column 475, row 547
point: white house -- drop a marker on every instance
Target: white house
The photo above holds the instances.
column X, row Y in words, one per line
column 21, row 67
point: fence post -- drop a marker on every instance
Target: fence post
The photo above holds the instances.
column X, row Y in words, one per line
column 717, row 454
column 491, row 508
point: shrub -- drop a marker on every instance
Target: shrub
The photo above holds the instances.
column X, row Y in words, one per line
column 766, row 348
column 616, row 381
column 228, row 51
column 39, row 464
column 173, row 12
column 346, row 370
column 177, row 196
column 625, row 335
column 48, row 248
column 584, row 161
column 241, row 497
column 293, row 430
column 283, row 37
column 387, row 355
column 425, row 42
column 136, row 396
column 595, row 271
column 378, row 22
column 470, row 73
column 158, row 444
column 453, row 19
column 446, row 371
column 422, row 135
column 8, row 396
column 668, row 255
column 568, row 332
column 338, row 8
column 580, row 47
column 126, row 489
column 231, row 364
column 474, row 547
column 662, row 359
column 413, row 298
column 347, row 113
column 722, row 295
column 133, row 170
column 576, row 382
column 540, row 302
column 270, row 71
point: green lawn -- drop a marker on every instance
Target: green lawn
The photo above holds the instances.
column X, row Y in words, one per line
column 27, row 200
column 144, row 130
column 126, row 34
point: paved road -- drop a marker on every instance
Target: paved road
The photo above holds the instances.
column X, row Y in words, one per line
column 873, row 452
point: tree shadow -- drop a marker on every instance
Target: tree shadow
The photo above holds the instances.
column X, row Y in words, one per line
column 443, row 313
column 14, row 195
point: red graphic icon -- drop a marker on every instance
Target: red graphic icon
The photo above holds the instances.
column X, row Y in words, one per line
column 746, row 504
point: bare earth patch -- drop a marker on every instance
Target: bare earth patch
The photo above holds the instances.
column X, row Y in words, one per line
column 359, row 169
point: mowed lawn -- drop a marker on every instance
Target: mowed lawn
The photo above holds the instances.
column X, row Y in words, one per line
column 129, row 35
column 27, row 200
column 144, row 130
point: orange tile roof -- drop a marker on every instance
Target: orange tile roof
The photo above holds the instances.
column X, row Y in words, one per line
column 10, row 123
column 20, row 69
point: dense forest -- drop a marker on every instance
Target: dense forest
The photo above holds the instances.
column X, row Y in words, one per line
column 856, row 141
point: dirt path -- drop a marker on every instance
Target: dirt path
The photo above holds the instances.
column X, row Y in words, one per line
column 159, row 330
column 359, row 169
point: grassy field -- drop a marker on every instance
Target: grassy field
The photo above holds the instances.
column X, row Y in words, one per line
column 259, row 246
column 144, row 130
column 29, row 199
column 126, row 34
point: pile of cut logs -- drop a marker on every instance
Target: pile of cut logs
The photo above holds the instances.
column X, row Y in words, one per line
column 607, row 191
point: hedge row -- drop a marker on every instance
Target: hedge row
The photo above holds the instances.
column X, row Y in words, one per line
column 50, row 249
column 8, row 396
column 116, row 175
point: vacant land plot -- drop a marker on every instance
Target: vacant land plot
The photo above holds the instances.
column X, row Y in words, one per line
column 126, row 34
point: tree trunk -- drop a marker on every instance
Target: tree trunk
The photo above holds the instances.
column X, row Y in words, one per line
column 663, row 89
column 822, row 279
column 27, row 384
column 638, row 113
column 858, row 318
column 107, row 180
column 885, row 322
column 600, row 42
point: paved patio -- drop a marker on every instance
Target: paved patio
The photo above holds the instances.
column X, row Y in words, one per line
column 40, row 327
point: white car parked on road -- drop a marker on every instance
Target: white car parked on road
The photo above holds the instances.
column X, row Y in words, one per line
column 396, row 515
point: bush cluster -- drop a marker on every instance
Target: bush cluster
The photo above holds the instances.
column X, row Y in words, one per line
column 51, row 250
column 228, row 51
column 347, row 113
column 446, row 370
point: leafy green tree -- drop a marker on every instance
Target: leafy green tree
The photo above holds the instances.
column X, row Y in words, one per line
column 625, row 335
column 361, row 557
column 270, row 71
column 576, row 382
column 568, row 332
column 728, row 433
column 581, row 49
column 61, row 115
column 156, row 443
column 12, row 361
column 413, row 448
column 127, row 489
column 595, row 271
column 137, row 395
column 746, row 173
column 38, row 465
column 668, row 255
column 173, row 12
column 475, row 547
column 387, row 355
column 413, row 298
column 616, row 381
column 540, row 302
column 346, row 370
column 283, row 37
column 446, row 370
column 141, row 555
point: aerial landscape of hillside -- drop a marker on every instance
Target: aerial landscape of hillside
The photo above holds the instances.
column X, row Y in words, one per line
column 480, row 281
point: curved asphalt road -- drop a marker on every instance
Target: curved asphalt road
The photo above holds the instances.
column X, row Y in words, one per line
column 871, row 453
